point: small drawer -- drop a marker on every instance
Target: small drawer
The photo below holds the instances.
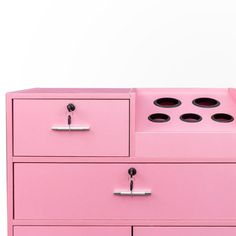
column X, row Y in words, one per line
column 102, row 191
column 94, row 128
column 71, row 231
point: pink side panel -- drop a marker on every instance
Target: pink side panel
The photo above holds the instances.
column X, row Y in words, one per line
column 70, row 231
column 184, row 231
column 85, row 191
column 9, row 163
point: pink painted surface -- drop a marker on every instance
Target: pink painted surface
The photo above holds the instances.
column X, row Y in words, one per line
column 76, row 194
column 196, row 146
column 145, row 107
column 70, row 231
column 108, row 136
column 177, row 139
column 9, row 165
column 85, row 191
column 103, row 91
column 184, row 231
column 75, row 93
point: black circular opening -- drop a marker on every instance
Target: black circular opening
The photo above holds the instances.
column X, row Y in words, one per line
column 206, row 102
column 190, row 117
column 167, row 102
column 159, row 117
column 222, row 117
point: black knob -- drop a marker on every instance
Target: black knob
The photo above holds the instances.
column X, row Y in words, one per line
column 70, row 107
column 132, row 171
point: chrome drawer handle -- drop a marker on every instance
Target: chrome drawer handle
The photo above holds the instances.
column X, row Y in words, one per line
column 70, row 128
column 132, row 193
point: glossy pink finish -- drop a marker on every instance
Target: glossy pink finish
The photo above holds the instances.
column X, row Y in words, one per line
column 186, row 191
column 71, row 231
column 108, row 135
column 184, row 231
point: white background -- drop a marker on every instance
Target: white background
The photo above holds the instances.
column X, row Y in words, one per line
column 109, row 43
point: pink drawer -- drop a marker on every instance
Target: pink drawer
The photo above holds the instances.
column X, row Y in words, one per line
column 184, row 231
column 71, row 231
column 98, row 128
column 86, row 191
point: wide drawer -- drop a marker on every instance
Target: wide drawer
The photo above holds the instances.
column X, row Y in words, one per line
column 98, row 128
column 86, row 191
column 71, row 231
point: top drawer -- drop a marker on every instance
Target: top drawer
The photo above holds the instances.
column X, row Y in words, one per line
column 98, row 128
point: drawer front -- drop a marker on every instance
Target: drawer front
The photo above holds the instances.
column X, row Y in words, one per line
column 70, row 231
column 184, row 231
column 103, row 128
column 85, row 191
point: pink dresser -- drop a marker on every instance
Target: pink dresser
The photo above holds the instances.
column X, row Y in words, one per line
column 121, row 162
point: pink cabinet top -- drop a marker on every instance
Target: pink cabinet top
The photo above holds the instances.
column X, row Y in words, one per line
column 187, row 125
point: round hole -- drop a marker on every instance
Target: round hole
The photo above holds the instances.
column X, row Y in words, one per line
column 159, row 117
column 222, row 117
column 191, row 117
column 206, row 102
column 167, row 102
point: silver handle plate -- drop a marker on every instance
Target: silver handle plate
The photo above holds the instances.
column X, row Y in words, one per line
column 132, row 193
column 70, row 128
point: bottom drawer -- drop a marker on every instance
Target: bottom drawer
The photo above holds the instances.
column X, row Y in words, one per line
column 184, row 231
column 121, row 231
column 71, row 231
